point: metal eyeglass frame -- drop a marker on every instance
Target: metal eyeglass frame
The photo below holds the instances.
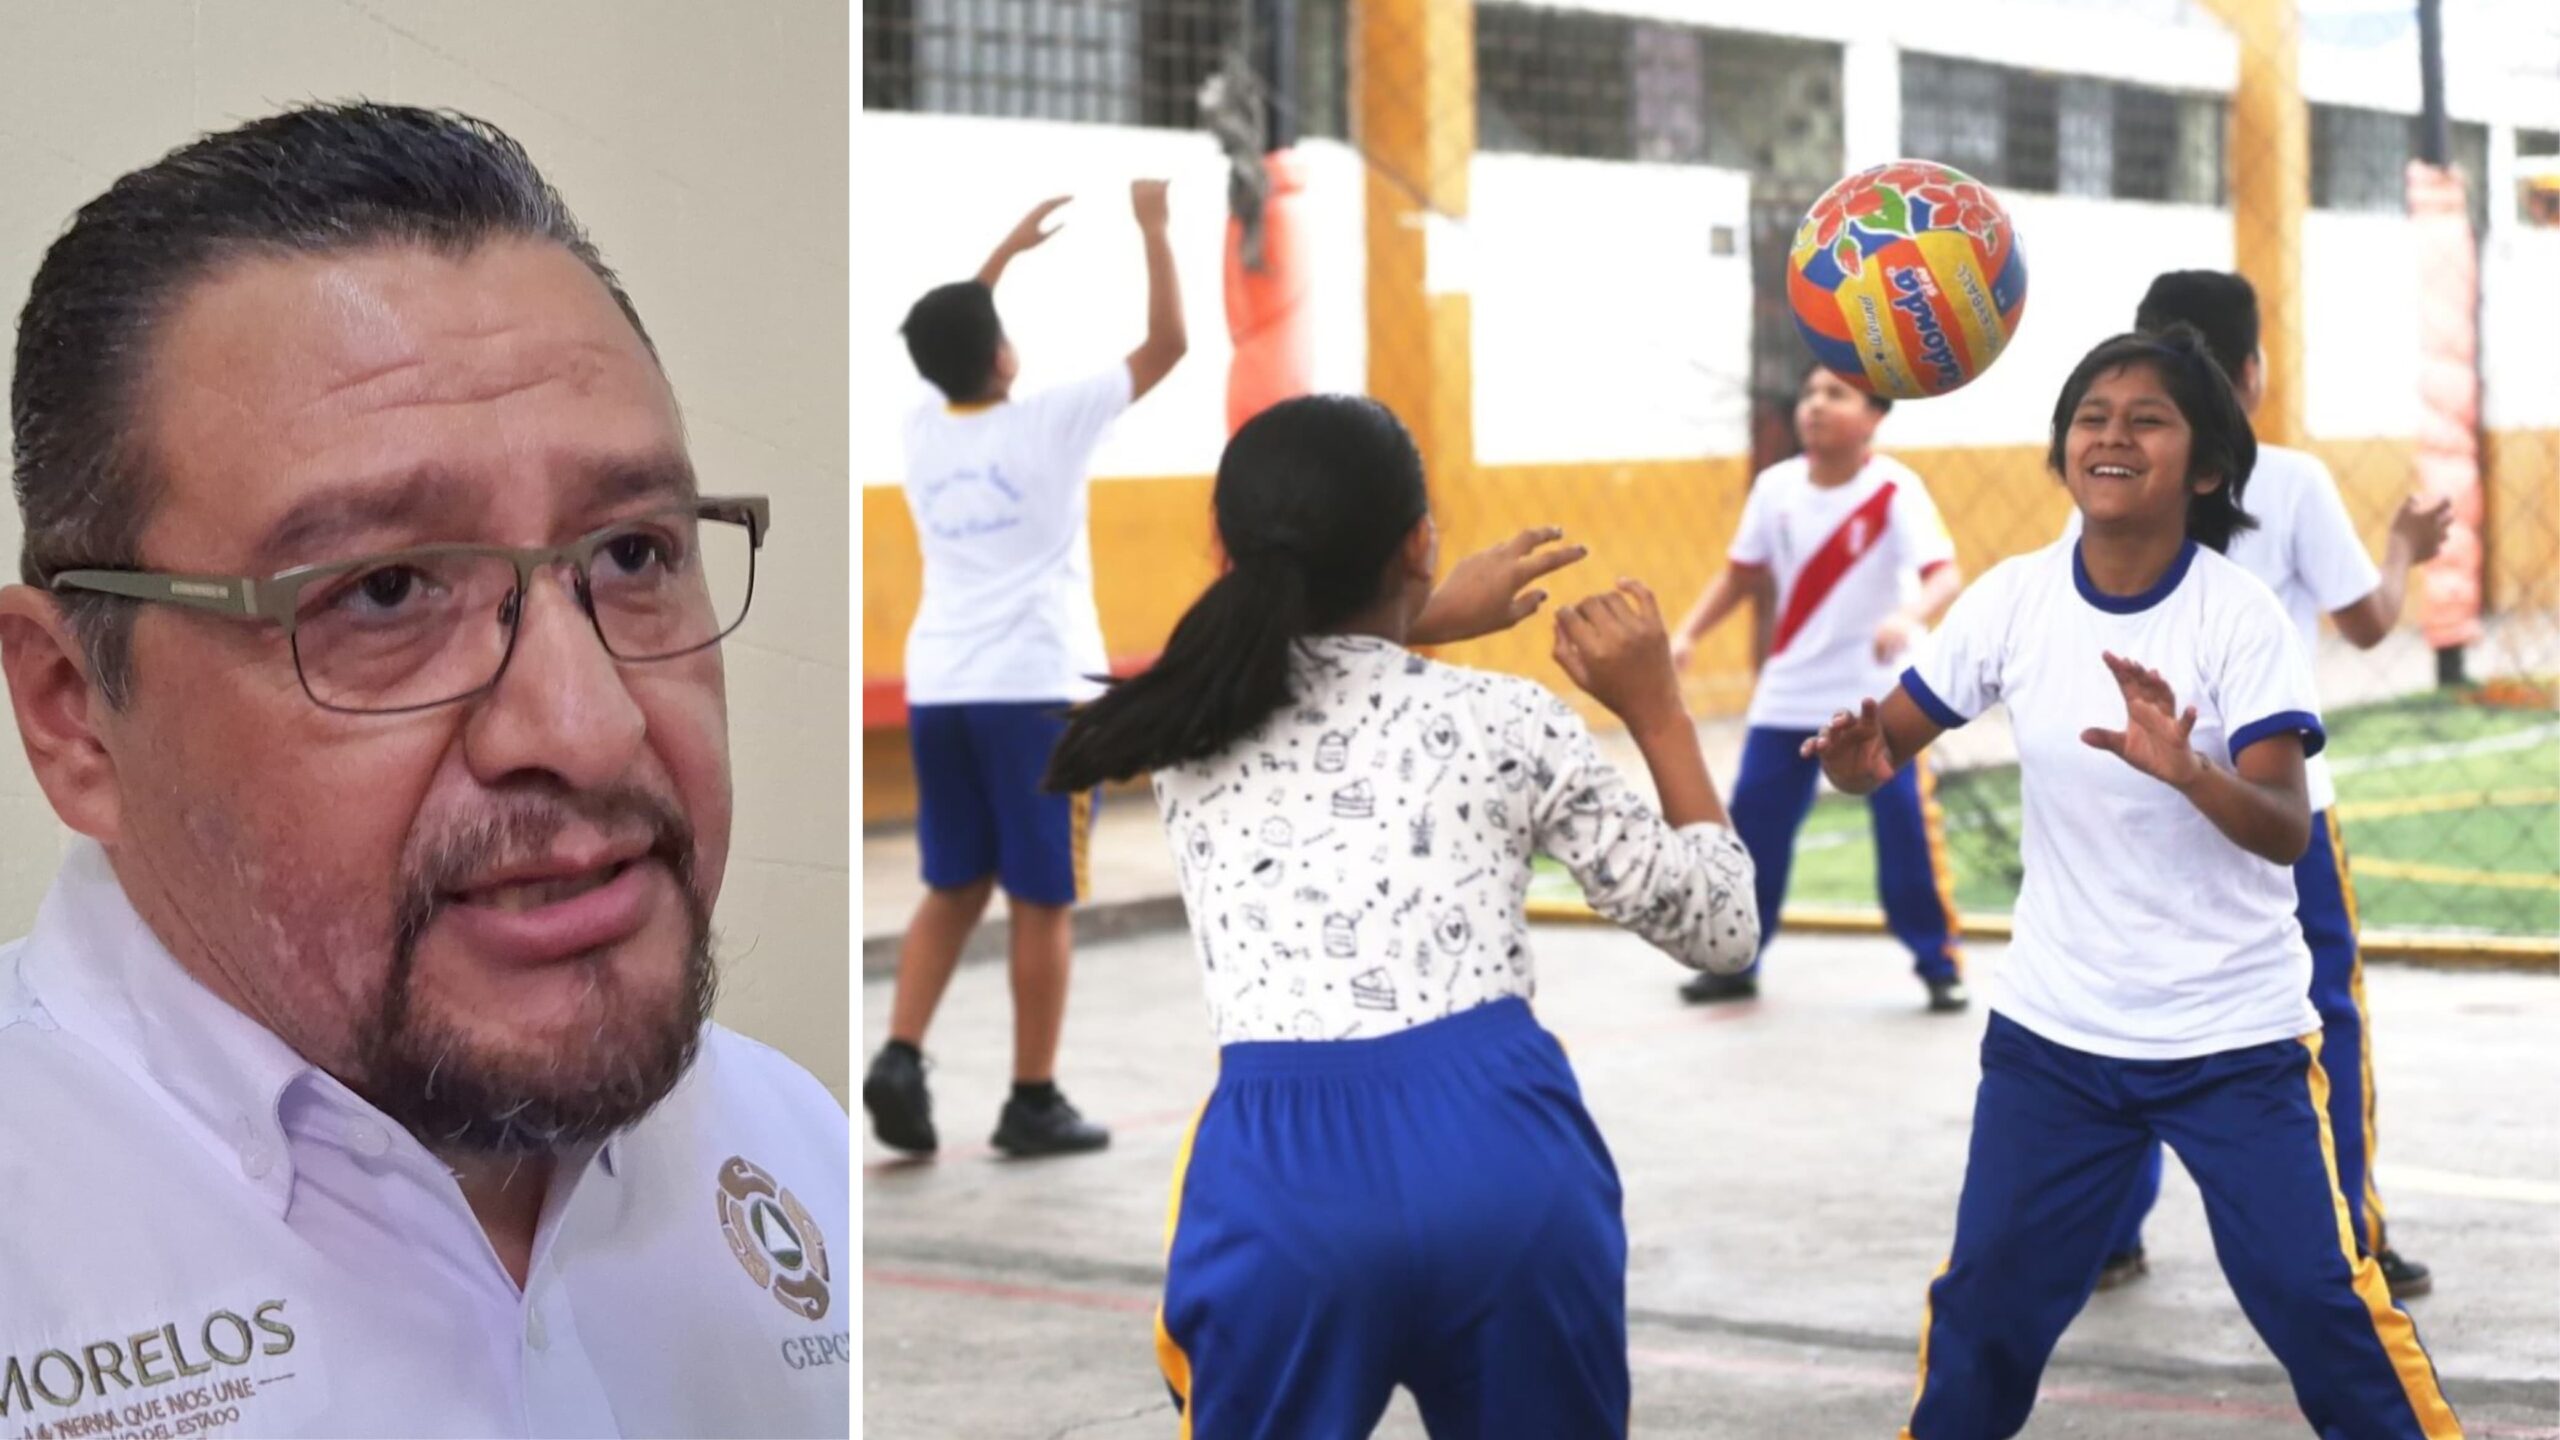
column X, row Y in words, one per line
column 273, row 600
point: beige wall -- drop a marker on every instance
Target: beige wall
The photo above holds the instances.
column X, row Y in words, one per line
column 704, row 146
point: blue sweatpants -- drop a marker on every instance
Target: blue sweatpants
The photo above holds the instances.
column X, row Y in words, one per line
column 1771, row 795
column 1432, row 1209
column 2326, row 905
column 2058, row 1136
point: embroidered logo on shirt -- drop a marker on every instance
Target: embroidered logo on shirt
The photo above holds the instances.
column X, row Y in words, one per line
column 82, row 1390
column 774, row 1239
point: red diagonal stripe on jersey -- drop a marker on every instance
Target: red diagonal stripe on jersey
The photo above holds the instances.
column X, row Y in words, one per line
column 1856, row 536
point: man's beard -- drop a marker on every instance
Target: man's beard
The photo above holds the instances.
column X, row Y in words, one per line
column 427, row 1073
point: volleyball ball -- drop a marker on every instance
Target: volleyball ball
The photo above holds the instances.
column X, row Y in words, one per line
column 1906, row 279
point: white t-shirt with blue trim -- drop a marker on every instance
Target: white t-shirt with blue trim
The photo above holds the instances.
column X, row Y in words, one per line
column 2306, row 549
column 2141, row 931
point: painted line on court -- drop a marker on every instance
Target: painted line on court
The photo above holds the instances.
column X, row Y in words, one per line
column 2009, row 817
column 2425, row 874
column 2524, row 739
column 996, row 1290
column 893, row 1163
column 2472, row 1187
column 1701, row 1359
column 2433, row 804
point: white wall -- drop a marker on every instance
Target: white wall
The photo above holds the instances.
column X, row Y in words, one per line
column 704, row 148
column 940, row 191
column 2088, row 262
column 2521, row 280
column 2359, row 325
column 1604, row 327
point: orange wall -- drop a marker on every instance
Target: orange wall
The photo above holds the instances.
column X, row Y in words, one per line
column 1665, row 522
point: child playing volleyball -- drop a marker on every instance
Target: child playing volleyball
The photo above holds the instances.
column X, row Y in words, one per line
column 1395, row 1181
column 2307, row 551
column 1826, row 540
column 1006, row 635
column 2157, row 984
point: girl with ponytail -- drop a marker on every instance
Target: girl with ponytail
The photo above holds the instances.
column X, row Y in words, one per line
column 1395, row 1181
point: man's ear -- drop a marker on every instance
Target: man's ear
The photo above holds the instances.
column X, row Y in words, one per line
column 58, row 712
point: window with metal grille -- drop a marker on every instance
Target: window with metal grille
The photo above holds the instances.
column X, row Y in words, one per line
column 1121, row 62
column 2360, row 158
column 1606, row 87
column 2069, row 135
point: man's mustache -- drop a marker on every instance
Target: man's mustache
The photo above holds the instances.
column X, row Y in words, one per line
column 513, row 829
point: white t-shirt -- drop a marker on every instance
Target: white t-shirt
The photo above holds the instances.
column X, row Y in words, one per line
column 203, row 1227
column 1358, row 864
column 999, row 496
column 1839, row 554
column 2306, row 549
column 2142, row 932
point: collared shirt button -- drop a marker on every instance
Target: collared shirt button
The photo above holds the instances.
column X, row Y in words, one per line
column 534, row 1333
column 367, row 1139
column 257, row 1161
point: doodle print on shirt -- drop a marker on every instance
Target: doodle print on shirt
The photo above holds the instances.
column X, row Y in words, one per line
column 1360, row 896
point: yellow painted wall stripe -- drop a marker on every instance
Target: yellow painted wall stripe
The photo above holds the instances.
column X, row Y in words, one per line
column 2391, row 1326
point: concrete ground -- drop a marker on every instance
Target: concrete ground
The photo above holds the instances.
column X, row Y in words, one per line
column 1791, row 1169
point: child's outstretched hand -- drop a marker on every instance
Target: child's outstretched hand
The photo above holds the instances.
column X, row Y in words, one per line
column 1853, row 751
column 2154, row 737
column 1613, row 645
column 1488, row 592
column 1033, row 230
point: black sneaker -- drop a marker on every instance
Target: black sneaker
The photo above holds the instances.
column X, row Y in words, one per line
column 901, row 1111
column 1029, row 1128
column 1706, row 988
column 2407, row 1278
column 1947, row 996
column 2123, row 1270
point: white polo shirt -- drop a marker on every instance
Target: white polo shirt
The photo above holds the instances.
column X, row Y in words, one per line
column 2142, row 932
column 205, row 1234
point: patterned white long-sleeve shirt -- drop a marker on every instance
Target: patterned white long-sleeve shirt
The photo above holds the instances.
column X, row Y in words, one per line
column 1358, row 864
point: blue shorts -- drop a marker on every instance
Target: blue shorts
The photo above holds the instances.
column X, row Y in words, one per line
column 980, row 809
column 1432, row 1209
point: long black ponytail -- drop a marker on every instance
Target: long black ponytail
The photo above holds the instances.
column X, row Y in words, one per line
column 1313, row 496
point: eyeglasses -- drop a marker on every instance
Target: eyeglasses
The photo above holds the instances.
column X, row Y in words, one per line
column 437, row 624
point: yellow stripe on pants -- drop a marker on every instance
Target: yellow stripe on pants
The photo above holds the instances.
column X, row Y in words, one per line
column 1170, row 1357
column 2364, row 1034
column 1942, row 871
column 1928, row 1313
column 2391, row 1327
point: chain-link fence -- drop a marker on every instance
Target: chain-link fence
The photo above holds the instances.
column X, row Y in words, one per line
column 1554, row 239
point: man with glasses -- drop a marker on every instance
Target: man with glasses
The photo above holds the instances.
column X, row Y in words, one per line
column 357, row 1077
